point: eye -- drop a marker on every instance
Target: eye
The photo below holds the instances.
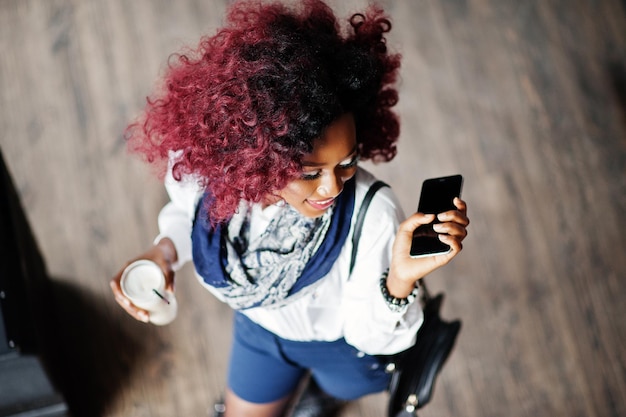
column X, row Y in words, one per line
column 351, row 163
column 313, row 175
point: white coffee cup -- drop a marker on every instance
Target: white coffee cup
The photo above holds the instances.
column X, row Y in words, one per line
column 143, row 283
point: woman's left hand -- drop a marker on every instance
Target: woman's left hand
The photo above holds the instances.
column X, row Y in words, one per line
column 405, row 270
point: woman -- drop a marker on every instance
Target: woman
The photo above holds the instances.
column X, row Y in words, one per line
column 260, row 130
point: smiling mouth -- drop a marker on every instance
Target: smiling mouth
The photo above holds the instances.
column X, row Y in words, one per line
column 322, row 204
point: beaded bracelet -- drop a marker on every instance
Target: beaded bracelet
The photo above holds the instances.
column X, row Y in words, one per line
column 395, row 304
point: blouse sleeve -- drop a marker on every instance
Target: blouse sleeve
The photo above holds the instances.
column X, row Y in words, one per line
column 176, row 217
column 370, row 325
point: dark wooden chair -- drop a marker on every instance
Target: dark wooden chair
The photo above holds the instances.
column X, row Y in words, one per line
column 25, row 309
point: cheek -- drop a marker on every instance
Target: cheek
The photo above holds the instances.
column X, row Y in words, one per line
column 297, row 191
column 348, row 174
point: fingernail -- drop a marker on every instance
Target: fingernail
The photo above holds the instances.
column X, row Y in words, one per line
column 123, row 300
column 438, row 228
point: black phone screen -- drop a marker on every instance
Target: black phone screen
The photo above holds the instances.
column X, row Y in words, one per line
column 436, row 197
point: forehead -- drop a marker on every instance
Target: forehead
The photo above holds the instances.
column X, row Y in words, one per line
column 336, row 143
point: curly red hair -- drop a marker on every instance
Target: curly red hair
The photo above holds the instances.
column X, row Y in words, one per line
column 247, row 103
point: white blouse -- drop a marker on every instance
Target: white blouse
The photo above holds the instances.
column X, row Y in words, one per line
column 338, row 305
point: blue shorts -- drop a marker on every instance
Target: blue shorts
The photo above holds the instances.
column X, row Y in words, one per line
column 264, row 367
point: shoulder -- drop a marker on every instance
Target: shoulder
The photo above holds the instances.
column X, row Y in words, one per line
column 380, row 222
column 184, row 191
column 384, row 204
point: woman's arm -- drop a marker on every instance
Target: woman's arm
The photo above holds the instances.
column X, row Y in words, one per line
column 370, row 324
column 172, row 247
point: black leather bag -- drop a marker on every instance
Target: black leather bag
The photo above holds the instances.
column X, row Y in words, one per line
column 415, row 370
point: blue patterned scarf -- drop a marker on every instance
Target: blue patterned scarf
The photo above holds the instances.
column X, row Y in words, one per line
column 292, row 253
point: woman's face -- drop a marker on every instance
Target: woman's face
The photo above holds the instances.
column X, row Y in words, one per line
column 325, row 170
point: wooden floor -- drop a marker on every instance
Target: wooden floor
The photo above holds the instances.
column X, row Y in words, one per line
column 527, row 99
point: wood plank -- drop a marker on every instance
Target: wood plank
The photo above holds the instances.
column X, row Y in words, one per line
column 525, row 99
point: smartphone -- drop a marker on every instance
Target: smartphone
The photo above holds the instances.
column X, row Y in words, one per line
column 437, row 196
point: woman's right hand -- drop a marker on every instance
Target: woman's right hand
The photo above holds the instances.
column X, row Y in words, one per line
column 164, row 255
column 404, row 270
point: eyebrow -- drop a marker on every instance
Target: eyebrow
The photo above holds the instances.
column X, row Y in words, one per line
column 316, row 164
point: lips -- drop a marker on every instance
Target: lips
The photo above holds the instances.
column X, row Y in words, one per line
column 322, row 204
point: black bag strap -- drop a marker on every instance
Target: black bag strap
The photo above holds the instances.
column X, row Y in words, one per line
column 360, row 218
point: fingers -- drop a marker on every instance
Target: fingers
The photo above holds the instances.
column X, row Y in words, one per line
column 414, row 221
column 457, row 216
column 130, row 308
column 460, row 204
column 123, row 301
column 163, row 255
column 454, row 222
column 404, row 237
column 455, row 245
column 453, row 229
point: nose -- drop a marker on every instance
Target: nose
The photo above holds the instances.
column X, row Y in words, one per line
column 331, row 185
